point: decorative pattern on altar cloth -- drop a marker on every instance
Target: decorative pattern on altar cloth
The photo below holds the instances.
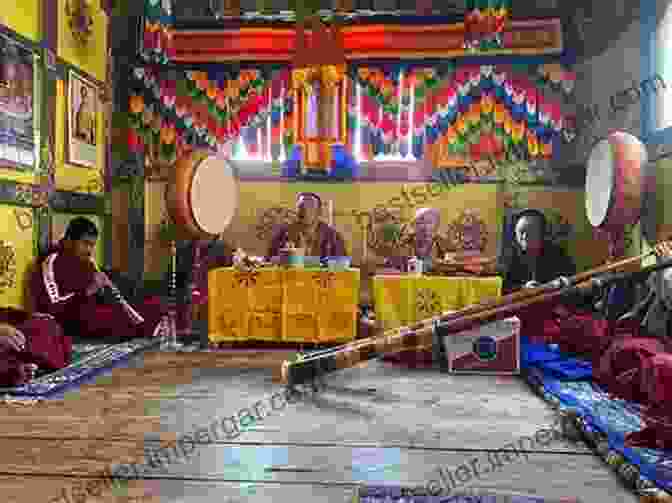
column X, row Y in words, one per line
column 283, row 305
column 405, row 300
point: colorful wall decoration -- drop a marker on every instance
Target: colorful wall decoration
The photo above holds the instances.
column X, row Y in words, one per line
column 197, row 109
column 481, row 111
column 156, row 35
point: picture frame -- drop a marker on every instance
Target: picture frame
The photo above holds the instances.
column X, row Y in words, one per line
column 17, row 107
column 83, row 107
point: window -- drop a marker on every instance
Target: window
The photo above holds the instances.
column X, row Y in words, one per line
column 264, row 140
column 663, row 67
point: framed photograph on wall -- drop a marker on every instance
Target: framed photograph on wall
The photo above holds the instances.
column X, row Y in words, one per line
column 17, row 135
column 82, row 121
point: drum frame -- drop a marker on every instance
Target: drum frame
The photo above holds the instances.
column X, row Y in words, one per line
column 178, row 196
column 625, row 201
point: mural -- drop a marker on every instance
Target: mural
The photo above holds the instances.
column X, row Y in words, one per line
column 17, row 142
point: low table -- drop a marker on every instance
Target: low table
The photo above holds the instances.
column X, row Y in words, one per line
column 283, row 305
column 402, row 300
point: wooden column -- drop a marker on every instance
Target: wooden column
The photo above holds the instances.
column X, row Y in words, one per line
column 47, row 80
column 126, row 170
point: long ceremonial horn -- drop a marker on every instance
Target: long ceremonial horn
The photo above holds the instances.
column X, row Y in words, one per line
column 420, row 335
column 556, row 284
column 135, row 317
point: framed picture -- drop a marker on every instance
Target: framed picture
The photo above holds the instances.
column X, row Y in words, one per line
column 17, row 136
column 83, row 106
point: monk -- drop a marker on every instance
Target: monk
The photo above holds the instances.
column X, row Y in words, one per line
column 637, row 364
column 68, row 286
column 535, row 259
column 30, row 343
column 426, row 244
column 308, row 232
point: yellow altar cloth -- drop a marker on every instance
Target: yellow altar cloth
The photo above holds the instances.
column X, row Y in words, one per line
column 406, row 299
column 282, row 305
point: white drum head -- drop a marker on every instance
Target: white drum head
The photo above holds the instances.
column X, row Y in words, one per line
column 213, row 195
column 599, row 183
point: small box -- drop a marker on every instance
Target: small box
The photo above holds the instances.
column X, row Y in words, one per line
column 489, row 349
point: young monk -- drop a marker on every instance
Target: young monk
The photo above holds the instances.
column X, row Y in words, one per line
column 69, row 286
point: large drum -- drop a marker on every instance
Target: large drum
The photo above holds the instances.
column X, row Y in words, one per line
column 202, row 197
column 614, row 182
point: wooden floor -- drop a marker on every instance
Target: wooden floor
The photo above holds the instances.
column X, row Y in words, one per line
column 379, row 423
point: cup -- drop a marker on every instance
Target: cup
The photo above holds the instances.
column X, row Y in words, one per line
column 338, row 263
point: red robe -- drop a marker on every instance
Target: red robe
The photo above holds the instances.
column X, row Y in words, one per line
column 60, row 282
column 629, row 363
column 47, row 347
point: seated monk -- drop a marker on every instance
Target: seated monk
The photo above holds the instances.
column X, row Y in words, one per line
column 638, row 366
column 28, row 344
column 426, row 244
column 308, row 232
column 68, row 285
column 535, row 260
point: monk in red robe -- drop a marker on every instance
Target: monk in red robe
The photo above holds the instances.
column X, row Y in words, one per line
column 31, row 343
column 308, row 232
column 68, row 285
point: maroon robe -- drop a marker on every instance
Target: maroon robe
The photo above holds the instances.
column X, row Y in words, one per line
column 331, row 243
column 60, row 282
column 629, row 363
column 46, row 346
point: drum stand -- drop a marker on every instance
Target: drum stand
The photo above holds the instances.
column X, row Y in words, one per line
column 170, row 342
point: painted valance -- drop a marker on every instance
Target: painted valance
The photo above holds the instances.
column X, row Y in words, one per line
column 156, row 45
column 200, row 109
column 500, row 111
column 487, row 110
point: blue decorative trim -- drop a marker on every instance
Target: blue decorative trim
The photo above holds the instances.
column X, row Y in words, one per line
column 648, row 65
column 648, row 51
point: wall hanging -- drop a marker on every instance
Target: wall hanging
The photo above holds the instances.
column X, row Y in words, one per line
column 83, row 105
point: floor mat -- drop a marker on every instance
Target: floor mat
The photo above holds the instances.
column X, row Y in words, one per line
column 89, row 361
column 390, row 493
column 604, row 421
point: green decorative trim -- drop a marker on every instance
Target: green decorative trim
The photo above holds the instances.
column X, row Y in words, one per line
column 77, row 202
column 63, row 69
column 42, row 217
column 107, row 241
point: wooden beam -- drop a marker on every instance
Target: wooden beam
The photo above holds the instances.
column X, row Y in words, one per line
column 536, row 37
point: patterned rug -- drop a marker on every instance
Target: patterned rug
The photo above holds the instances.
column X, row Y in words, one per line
column 89, row 360
column 604, row 422
column 390, row 494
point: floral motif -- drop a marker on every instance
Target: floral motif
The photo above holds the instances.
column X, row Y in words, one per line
column 468, row 232
column 7, row 266
column 246, row 278
column 80, row 20
column 24, row 193
column 324, row 280
column 24, row 219
column 271, row 218
column 427, row 302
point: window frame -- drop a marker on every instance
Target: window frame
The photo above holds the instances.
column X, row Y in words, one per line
column 651, row 135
